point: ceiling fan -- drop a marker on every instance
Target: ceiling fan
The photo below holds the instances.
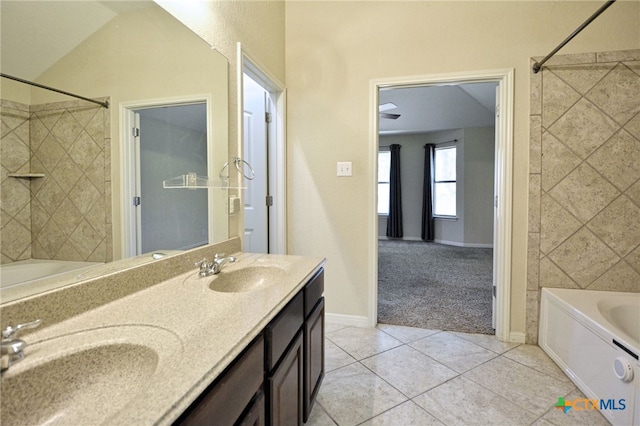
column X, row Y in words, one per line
column 386, row 107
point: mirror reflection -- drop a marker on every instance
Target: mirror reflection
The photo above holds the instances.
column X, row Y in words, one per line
column 69, row 187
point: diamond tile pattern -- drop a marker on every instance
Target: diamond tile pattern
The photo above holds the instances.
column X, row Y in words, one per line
column 496, row 383
column 589, row 203
column 65, row 215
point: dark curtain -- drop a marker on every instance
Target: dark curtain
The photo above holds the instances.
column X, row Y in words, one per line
column 427, row 193
column 394, row 221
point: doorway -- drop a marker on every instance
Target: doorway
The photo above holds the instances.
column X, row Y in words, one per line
column 164, row 143
column 262, row 100
column 502, row 175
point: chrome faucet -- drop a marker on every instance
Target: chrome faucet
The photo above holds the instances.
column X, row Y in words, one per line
column 211, row 268
column 12, row 349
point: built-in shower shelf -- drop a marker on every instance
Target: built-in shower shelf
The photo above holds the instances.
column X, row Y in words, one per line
column 26, row 175
column 193, row 181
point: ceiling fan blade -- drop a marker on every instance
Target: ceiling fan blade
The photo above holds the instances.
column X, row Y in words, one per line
column 390, row 116
column 387, row 106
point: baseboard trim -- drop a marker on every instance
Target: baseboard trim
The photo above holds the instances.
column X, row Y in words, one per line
column 350, row 320
column 517, row 337
column 458, row 244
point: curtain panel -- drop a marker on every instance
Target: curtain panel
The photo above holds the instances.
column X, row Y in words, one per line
column 394, row 221
column 428, row 232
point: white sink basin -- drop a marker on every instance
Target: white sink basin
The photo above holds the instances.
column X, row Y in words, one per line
column 85, row 377
column 250, row 278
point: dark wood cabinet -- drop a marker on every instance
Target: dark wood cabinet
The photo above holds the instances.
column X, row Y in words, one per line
column 231, row 395
column 277, row 377
column 313, row 357
column 313, row 341
column 285, row 393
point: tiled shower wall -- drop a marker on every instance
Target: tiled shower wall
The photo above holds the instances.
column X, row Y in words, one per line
column 584, row 176
column 66, row 215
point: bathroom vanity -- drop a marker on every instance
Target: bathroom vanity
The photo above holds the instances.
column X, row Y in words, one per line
column 244, row 346
column 276, row 378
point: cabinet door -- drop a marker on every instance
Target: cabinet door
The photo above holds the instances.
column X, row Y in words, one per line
column 285, row 387
column 313, row 356
column 255, row 416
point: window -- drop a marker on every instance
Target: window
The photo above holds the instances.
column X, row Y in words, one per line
column 444, row 185
column 384, row 172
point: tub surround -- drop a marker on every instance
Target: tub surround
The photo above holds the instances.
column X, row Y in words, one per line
column 211, row 328
column 584, row 176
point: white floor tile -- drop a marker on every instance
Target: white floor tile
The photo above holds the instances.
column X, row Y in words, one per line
column 463, row 402
column 351, row 395
column 362, row 342
column 334, row 357
column 487, row 341
column 407, row 413
column 452, row 351
column 406, row 334
column 520, row 384
column 408, row 370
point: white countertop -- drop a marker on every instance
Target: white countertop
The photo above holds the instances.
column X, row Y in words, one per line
column 196, row 331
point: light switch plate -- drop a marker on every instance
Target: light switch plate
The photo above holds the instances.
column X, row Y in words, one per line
column 345, row 168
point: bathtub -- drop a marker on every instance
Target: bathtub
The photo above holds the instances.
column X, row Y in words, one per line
column 594, row 336
column 26, row 271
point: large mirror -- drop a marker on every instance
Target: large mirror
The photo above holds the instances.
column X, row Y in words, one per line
column 71, row 169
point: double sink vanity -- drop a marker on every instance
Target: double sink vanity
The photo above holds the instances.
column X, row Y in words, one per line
column 163, row 344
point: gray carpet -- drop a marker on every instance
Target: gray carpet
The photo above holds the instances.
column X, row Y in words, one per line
column 435, row 286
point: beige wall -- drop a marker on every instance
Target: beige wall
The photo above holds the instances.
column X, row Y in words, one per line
column 334, row 49
column 584, row 165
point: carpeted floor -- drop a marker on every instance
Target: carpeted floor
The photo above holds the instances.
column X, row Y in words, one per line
column 435, row 286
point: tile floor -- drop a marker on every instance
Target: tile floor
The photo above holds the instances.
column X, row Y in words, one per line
column 393, row 375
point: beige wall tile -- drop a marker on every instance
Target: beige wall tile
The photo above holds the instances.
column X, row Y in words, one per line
column 557, row 225
column 584, row 128
column 618, row 93
column 584, row 193
column 534, row 203
column 557, row 161
column 619, row 278
column 618, row 226
column 557, row 98
column 618, row 160
column 583, row 257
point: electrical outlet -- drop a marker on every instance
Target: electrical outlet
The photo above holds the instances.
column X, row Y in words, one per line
column 345, row 168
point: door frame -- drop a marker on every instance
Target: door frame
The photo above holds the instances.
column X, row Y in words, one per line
column 277, row 95
column 128, row 161
column 503, row 178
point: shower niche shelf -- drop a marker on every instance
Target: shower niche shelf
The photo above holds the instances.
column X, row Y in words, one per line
column 193, row 181
column 26, row 175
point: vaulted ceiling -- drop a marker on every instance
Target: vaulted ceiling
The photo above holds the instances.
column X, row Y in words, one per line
column 434, row 108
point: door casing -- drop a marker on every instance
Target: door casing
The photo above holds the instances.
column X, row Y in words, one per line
column 277, row 95
column 503, row 179
column 128, row 162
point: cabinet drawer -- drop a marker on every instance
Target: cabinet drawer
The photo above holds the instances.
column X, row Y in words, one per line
column 313, row 292
column 281, row 331
column 225, row 400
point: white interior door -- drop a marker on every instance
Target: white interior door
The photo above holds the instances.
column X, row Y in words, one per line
column 255, row 151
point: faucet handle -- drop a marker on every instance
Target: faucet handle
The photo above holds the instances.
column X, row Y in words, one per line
column 218, row 256
column 203, row 264
column 10, row 331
